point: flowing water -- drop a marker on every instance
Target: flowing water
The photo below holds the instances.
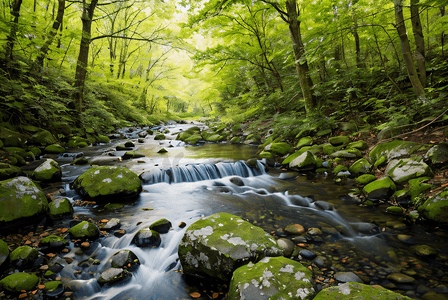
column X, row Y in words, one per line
column 189, row 182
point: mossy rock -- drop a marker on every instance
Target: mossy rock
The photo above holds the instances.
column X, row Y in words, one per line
column 42, row 138
column 437, row 154
column 36, row 151
column 339, row 168
column 133, row 154
column 84, row 230
column 215, row 246
column 150, row 131
column 163, row 150
column 182, row 136
column 23, row 256
column 21, row 152
column 323, row 132
column 60, row 208
column 272, row 278
column 265, row 154
column 401, row 170
column 305, row 161
column 214, row 138
column 160, row 137
column 340, row 140
column 361, row 166
column 8, row 171
column 280, row 148
column 394, row 149
column 396, row 210
column 194, row 130
column 52, row 243
column 62, row 128
column 193, row 140
column 54, row 149
column 108, row 183
column 80, row 161
column 354, row 290
column 113, row 275
column 129, row 144
column 48, row 171
column 113, row 206
column 348, row 153
column 305, row 141
column 329, row 149
column 235, row 140
column 22, row 202
column 124, row 259
column 365, row 179
column 12, row 138
column 236, row 128
column 417, row 186
column 103, row 139
column 4, row 252
column 380, row 189
column 51, row 286
column 147, row 237
column 379, row 162
column 361, row 145
column 436, row 208
column 19, row 281
column 78, row 142
column 161, row 226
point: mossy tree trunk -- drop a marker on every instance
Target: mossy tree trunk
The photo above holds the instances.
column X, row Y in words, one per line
column 419, row 41
column 10, row 40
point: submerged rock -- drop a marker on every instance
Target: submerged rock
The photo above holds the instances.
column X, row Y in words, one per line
column 21, row 202
column 217, row 245
column 124, row 259
column 161, row 226
column 108, row 183
column 272, row 278
column 147, row 237
column 353, row 290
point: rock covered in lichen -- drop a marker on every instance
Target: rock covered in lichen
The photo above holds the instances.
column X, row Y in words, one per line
column 19, row 281
column 217, row 245
column 60, row 208
column 272, row 278
column 84, row 230
column 21, row 202
column 353, row 290
column 108, row 183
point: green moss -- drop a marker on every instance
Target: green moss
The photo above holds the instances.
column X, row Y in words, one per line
column 361, row 166
column 54, row 149
column 160, row 137
column 395, row 148
column 339, row 140
column 103, row 139
column 52, row 285
column 265, row 154
column 192, row 140
column 305, row 141
column 280, row 148
column 380, row 161
column 26, row 254
column 19, row 281
column 104, row 182
column 235, row 140
column 384, row 184
column 365, row 179
column 84, row 230
column 361, row 145
column 7, row 171
column 21, row 198
column 353, row 290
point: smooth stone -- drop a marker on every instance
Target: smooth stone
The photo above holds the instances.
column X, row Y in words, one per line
column 424, row 250
column 347, row 277
column 124, row 259
column 400, row 278
column 307, row 254
column 113, row 275
column 295, row 229
column 286, row 245
column 113, row 223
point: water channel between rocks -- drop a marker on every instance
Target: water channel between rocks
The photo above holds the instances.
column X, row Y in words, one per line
column 352, row 238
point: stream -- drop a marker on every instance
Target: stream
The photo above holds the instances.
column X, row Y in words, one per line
column 190, row 182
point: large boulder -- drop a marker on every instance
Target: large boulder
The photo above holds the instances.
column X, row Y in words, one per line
column 354, row 290
column 272, row 278
column 280, row 148
column 42, row 138
column 217, row 245
column 436, row 208
column 12, row 138
column 401, row 170
column 394, row 149
column 108, row 183
column 21, row 202
column 48, row 171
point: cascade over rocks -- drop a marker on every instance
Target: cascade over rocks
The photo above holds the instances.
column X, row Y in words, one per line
column 108, row 183
column 217, row 245
column 272, row 278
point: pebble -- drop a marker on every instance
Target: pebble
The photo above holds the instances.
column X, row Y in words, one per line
column 286, row 245
column 347, row 277
column 294, row 229
column 307, row 254
column 400, row 278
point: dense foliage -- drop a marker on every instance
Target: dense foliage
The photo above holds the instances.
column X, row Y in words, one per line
column 301, row 64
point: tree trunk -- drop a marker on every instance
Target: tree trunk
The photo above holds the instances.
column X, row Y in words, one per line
column 83, row 57
column 54, row 30
column 300, row 61
column 419, row 41
column 406, row 50
column 14, row 27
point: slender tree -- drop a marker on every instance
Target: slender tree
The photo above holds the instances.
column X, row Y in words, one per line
column 11, row 39
column 419, row 41
column 406, row 50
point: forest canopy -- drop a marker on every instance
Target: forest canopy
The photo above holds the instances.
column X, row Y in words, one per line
column 106, row 63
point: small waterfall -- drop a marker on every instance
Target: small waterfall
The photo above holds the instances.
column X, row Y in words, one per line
column 199, row 172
